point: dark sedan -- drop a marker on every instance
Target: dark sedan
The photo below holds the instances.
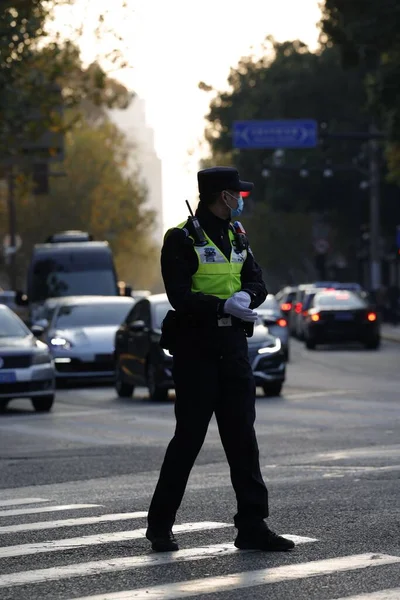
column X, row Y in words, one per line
column 140, row 360
column 341, row 316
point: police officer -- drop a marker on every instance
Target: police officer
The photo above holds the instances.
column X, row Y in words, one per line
column 214, row 289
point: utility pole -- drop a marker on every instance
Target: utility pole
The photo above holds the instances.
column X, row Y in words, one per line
column 12, row 219
column 374, row 183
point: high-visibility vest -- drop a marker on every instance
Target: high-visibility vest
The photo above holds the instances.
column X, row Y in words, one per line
column 216, row 275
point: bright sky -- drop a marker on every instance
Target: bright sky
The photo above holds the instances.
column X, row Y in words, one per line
column 174, row 44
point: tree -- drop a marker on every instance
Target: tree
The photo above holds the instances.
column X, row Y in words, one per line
column 94, row 195
column 31, row 70
column 289, row 81
column 367, row 34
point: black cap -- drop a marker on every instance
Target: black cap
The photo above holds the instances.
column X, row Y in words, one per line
column 218, row 179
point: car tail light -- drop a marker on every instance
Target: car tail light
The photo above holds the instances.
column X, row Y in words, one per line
column 286, row 306
column 371, row 317
column 315, row 317
column 298, row 307
column 281, row 322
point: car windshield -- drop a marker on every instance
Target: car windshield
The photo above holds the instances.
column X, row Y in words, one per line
column 269, row 303
column 160, row 310
column 339, row 300
column 11, row 326
column 92, row 315
column 69, row 275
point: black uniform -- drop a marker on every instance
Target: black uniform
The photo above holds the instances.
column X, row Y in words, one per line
column 212, row 374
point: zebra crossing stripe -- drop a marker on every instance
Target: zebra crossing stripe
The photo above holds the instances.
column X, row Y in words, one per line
column 71, row 522
column 393, row 594
column 19, row 501
column 44, row 509
column 248, row 579
column 126, row 563
column 95, row 540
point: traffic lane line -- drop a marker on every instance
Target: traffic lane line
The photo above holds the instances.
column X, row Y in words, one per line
column 72, row 522
column 19, row 501
column 248, row 579
column 44, row 509
column 391, row 594
column 95, row 540
column 127, row 563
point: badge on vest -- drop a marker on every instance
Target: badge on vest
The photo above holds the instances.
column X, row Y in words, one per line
column 210, row 254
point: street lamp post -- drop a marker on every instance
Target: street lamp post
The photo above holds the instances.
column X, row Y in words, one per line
column 374, row 187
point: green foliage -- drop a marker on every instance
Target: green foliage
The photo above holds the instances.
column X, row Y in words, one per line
column 96, row 194
column 289, row 81
column 32, row 72
column 368, row 34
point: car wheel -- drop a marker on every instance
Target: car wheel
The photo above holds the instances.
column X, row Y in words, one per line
column 287, row 355
column 43, row 403
column 156, row 393
column 124, row 390
column 310, row 344
column 272, row 389
column 373, row 344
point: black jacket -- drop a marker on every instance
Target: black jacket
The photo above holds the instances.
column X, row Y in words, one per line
column 179, row 262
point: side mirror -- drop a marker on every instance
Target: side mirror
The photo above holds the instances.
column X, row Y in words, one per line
column 21, row 299
column 138, row 326
column 37, row 330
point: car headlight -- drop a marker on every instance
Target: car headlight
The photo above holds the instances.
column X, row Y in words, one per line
column 41, row 358
column 270, row 349
column 60, row 342
column 167, row 352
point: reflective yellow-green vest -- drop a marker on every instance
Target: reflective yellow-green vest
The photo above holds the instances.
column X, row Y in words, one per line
column 216, row 275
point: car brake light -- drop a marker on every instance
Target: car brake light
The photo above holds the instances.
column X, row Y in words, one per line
column 315, row 317
column 286, row 306
column 371, row 317
column 282, row 322
column 298, row 307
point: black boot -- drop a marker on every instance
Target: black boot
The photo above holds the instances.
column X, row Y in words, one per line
column 260, row 537
column 162, row 540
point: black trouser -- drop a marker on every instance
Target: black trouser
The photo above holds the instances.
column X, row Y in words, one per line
column 212, row 377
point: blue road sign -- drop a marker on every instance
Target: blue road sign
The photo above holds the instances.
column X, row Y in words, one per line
column 289, row 133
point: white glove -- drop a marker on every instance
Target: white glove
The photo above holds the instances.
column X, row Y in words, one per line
column 238, row 306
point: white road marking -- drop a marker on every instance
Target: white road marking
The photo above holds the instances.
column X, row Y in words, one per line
column 44, row 509
column 319, row 394
column 248, row 579
column 126, row 563
column 393, row 594
column 19, row 501
column 368, row 451
column 103, row 538
column 72, row 522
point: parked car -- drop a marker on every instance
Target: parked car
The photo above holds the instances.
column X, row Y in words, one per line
column 271, row 316
column 140, row 360
column 81, row 332
column 26, row 365
column 338, row 316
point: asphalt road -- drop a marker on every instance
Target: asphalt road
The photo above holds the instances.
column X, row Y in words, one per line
column 75, row 486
